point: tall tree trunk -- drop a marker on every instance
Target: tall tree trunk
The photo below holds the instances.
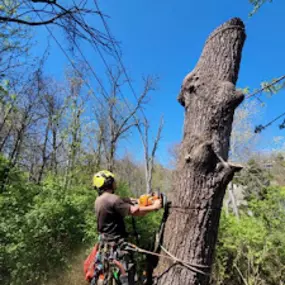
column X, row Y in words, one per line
column 6, row 116
column 233, row 199
column 54, row 150
column 209, row 97
column 148, row 174
column 4, row 140
column 98, row 154
column 44, row 153
column 14, row 155
column 111, row 156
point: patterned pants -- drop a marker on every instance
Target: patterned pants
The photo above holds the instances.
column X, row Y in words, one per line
column 115, row 264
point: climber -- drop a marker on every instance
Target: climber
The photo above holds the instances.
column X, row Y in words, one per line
column 110, row 210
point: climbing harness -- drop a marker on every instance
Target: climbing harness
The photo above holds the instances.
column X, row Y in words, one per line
column 108, row 261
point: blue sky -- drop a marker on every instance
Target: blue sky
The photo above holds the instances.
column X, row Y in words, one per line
column 165, row 38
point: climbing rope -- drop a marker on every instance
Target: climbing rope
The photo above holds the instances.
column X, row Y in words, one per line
column 191, row 266
column 186, row 209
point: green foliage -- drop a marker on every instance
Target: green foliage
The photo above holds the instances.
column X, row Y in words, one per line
column 240, row 242
column 14, row 39
column 251, row 250
column 271, row 87
column 254, row 179
column 40, row 226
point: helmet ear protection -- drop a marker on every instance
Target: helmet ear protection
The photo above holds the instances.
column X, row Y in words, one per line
column 103, row 179
column 98, row 181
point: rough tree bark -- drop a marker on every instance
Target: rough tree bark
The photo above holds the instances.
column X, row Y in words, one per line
column 210, row 99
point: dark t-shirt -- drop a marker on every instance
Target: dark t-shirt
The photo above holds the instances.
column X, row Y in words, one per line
column 110, row 211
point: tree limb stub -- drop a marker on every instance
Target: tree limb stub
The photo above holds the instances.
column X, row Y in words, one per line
column 209, row 97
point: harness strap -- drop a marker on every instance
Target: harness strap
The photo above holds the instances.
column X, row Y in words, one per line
column 109, row 253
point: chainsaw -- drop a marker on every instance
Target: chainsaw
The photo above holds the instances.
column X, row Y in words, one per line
column 148, row 199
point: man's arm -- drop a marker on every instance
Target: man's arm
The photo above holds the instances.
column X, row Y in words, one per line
column 132, row 201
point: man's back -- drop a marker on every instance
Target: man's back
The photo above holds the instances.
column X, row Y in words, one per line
column 110, row 211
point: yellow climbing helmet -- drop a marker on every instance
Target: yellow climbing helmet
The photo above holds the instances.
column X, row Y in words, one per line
column 103, row 179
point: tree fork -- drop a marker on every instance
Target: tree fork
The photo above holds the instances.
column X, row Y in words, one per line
column 209, row 97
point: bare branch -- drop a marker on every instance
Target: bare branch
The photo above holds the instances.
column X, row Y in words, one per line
column 130, row 115
column 144, row 135
column 44, row 1
column 158, row 137
column 148, row 87
column 54, row 13
column 20, row 21
column 127, row 128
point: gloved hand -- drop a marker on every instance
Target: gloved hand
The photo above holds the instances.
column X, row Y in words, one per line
column 157, row 204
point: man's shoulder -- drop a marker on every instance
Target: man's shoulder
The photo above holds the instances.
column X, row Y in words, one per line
column 107, row 197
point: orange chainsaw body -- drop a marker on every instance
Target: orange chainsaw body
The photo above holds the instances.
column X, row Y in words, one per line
column 148, row 199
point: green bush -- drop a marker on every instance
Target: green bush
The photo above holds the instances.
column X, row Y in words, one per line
column 41, row 226
column 252, row 249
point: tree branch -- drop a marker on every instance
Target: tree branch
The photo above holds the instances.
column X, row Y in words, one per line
column 131, row 114
column 144, row 136
column 158, row 137
column 20, row 21
column 44, row 1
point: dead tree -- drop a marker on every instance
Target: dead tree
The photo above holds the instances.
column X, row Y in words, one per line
column 74, row 138
column 115, row 116
column 231, row 201
column 27, row 115
column 209, row 97
column 149, row 155
column 53, row 109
